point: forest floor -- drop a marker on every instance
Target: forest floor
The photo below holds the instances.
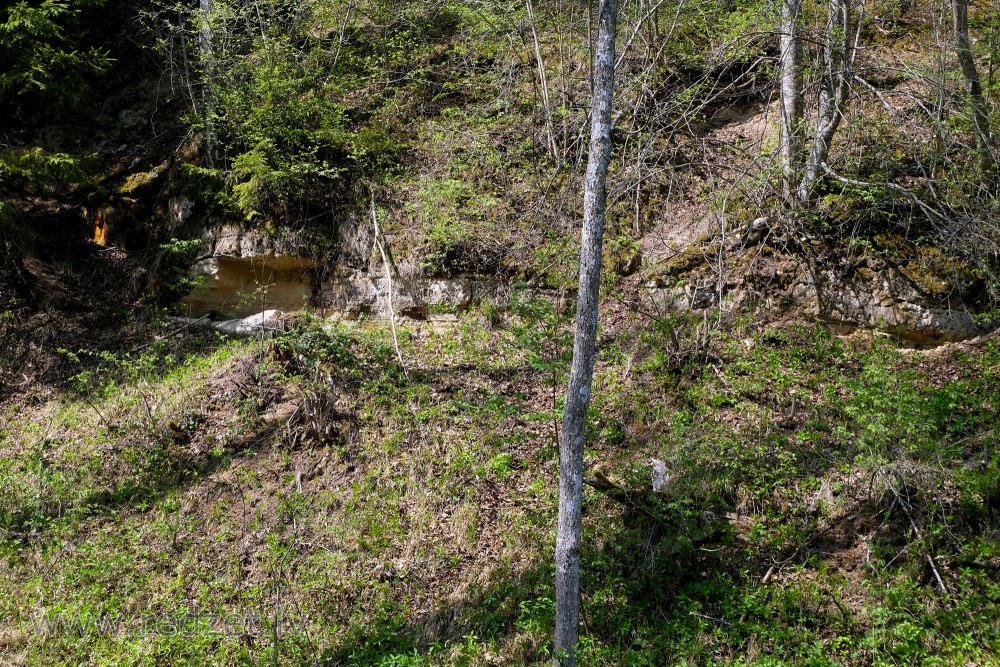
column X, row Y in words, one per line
column 179, row 497
column 174, row 496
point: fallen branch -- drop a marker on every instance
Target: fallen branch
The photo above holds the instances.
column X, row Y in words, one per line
column 930, row 560
column 172, row 333
column 909, row 194
column 388, row 278
column 658, row 505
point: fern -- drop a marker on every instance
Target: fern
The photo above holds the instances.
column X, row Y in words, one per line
column 38, row 59
column 41, row 168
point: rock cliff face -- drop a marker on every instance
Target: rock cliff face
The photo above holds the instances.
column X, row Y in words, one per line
column 243, row 286
column 696, row 261
column 247, row 273
column 416, row 298
column 236, row 287
column 886, row 302
column 880, row 301
column 244, row 272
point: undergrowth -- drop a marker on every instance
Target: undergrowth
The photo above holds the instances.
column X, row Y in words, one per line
column 308, row 501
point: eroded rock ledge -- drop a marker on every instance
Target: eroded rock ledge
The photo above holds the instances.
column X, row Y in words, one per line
column 249, row 274
column 237, row 287
column 884, row 299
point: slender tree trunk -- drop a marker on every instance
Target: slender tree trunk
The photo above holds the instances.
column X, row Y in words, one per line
column 208, row 61
column 832, row 94
column 790, row 143
column 584, row 346
column 543, row 82
column 991, row 71
column 980, row 117
column 10, row 255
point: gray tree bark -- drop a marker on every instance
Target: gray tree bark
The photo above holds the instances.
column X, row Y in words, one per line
column 980, row 117
column 208, row 61
column 790, row 144
column 543, row 83
column 834, row 86
column 567, row 557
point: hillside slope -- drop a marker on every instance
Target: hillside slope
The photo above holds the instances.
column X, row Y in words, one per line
column 792, row 444
column 827, row 500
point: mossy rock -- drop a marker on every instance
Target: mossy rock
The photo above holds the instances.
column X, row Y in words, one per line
column 866, row 274
column 138, row 181
column 688, row 260
column 931, row 270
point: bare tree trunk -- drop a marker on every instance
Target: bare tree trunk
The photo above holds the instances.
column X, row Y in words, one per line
column 10, row 254
column 544, row 83
column 568, row 538
column 208, row 60
column 992, row 48
column 832, row 94
column 980, row 117
column 790, row 135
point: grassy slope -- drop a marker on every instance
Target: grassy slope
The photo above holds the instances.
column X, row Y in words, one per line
column 410, row 520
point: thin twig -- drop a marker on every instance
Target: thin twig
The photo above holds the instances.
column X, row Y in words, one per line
column 388, row 278
column 711, row 618
column 931, row 213
column 930, row 560
column 107, row 424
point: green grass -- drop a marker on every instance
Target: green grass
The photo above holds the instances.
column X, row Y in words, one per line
column 419, row 530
